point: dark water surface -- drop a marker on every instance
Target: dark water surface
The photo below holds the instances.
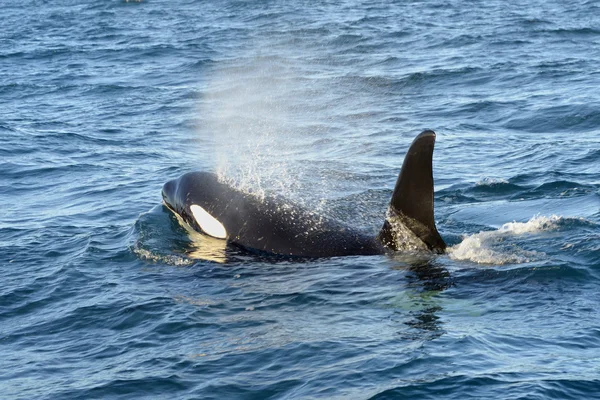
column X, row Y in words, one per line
column 105, row 295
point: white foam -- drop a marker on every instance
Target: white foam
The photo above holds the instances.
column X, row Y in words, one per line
column 491, row 247
column 538, row 223
column 490, row 181
column 169, row 259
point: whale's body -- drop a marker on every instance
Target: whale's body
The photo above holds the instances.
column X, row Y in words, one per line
column 276, row 226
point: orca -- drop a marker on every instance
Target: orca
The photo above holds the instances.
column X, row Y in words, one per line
column 275, row 226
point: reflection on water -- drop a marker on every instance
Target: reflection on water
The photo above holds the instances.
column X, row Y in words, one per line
column 206, row 248
column 420, row 300
column 431, row 276
column 203, row 247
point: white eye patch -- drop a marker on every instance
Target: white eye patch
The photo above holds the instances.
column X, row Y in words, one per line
column 208, row 223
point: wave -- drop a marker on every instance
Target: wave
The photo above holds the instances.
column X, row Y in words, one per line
column 575, row 31
column 559, row 189
column 553, row 119
column 485, row 189
column 161, row 237
column 492, row 247
column 531, row 186
column 495, row 186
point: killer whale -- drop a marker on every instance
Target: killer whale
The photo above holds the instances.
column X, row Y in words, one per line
column 274, row 226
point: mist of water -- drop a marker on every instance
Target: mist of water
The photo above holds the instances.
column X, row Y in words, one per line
column 249, row 119
column 276, row 126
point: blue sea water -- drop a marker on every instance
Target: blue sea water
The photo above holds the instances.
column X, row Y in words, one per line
column 105, row 295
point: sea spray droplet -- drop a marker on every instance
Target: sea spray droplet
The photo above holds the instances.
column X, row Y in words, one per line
column 405, row 238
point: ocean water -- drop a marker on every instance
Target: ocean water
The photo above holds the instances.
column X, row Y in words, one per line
column 105, row 295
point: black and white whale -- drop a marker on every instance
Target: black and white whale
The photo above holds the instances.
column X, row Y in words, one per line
column 273, row 226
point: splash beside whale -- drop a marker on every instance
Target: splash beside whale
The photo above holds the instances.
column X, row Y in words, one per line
column 273, row 226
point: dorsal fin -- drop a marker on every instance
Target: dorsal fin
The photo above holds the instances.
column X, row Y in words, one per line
column 412, row 200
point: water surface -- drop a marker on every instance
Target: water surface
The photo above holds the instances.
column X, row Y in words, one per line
column 106, row 295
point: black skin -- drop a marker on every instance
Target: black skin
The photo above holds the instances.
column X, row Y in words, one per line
column 275, row 226
column 267, row 225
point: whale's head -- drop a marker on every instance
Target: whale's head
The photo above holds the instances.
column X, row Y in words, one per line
column 197, row 197
column 168, row 193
